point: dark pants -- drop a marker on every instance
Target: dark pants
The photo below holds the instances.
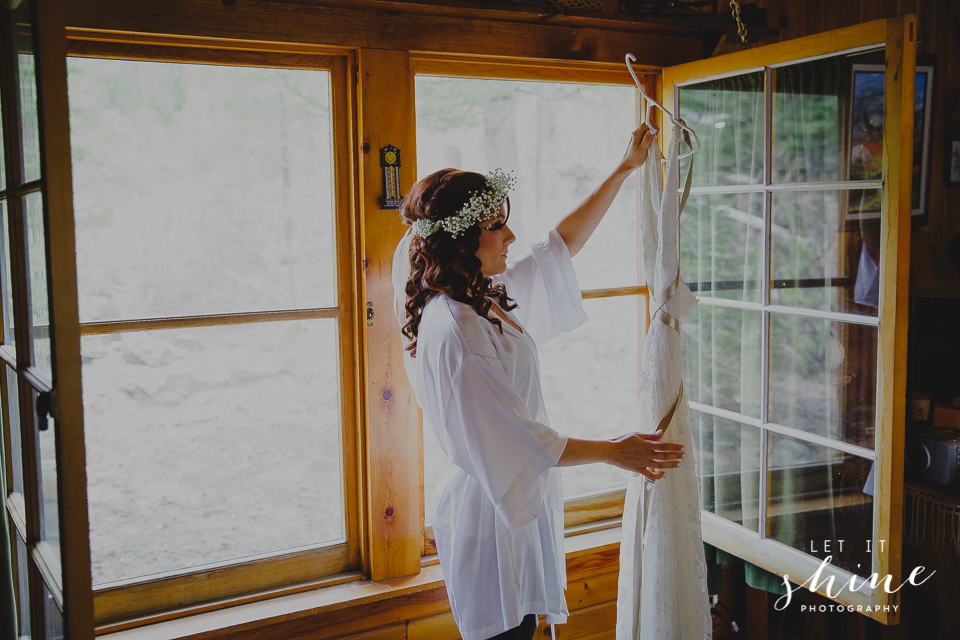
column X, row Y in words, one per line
column 528, row 626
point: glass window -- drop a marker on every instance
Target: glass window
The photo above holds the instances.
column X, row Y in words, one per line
column 783, row 347
column 12, row 420
column 561, row 139
column 7, row 282
column 727, row 115
column 201, row 440
column 23, row 585
column 821, row 502
column 729, row 468
column 37, row 284
column 206, row 191
column 26, row 71
column 49, row 476
column 200, row 189
column 590, row 383
column 822, row 257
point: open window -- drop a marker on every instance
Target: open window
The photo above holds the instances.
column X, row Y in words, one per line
column 45, row 505
column 796, row 240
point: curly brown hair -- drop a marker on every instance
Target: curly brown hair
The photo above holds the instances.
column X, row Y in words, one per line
column 441, row 263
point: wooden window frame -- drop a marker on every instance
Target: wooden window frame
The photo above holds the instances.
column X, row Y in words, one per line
column 250, row 579
column 898, row 35
column 601, row 509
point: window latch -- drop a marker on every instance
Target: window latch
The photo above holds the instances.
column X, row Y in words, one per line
column 370, row 314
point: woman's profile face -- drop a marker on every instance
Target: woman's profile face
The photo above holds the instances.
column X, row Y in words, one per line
column 495, row 237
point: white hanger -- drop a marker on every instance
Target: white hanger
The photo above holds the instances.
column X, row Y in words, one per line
column 651, row 103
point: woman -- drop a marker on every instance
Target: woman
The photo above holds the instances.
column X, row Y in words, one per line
column 471, row 324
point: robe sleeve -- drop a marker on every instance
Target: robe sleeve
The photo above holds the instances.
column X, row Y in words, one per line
column 497, row 442
column 544, row 284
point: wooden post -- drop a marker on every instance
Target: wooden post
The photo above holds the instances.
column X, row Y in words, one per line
column 393, row 458
column 899, row 80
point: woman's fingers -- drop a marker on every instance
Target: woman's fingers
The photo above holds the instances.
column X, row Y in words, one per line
column 653, row 475
column 666, row 464
column 640, row 141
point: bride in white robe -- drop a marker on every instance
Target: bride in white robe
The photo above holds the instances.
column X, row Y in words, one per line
column 499, row 519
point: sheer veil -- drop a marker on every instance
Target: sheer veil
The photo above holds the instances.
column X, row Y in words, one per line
column 400, row 275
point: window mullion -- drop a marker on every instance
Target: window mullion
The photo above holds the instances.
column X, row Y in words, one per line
column 765, row 291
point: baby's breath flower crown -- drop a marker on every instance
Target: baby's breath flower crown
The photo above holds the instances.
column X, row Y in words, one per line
column 482, row 204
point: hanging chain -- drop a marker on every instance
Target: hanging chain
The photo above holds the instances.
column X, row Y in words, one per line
column 741, row 28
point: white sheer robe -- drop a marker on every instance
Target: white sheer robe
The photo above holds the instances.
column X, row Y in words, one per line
column 663, row 576
column 499, row 520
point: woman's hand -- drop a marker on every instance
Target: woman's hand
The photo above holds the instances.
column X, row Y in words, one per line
column 640, row 142
column 646, row 455
column 638, row 452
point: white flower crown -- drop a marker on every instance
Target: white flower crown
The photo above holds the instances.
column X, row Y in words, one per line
column 481, row 205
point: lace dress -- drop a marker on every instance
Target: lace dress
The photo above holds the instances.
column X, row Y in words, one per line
column 662, row 591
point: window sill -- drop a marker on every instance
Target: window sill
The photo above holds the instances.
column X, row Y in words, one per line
column 593, row 552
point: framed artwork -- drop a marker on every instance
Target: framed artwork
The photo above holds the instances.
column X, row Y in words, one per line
column 866, row 138
column 951, row 164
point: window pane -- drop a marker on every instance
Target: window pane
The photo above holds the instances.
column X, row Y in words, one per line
column 562, row 139
column 29, row 123
column 729, row 468
column 23, row 585
column 202, row 442
column 810, row 108
column 818, row 498
column 721, row 358
column 590, row 381
column 721, row 246
column 53, row 617
column 48, row 484
column 823, row 377
column 822, row 256
column 6, row 282
column 37, row 268
column 200, row 189
column 13, row 417
column 727, row 115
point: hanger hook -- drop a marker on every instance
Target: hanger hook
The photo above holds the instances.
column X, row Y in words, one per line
column 651, row 103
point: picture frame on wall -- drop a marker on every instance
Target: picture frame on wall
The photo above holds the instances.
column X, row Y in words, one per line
column 865, row 143
column 951, row 162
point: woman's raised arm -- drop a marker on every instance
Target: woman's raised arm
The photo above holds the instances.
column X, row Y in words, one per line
column 580, row 223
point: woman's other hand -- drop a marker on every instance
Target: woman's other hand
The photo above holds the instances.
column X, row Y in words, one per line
column 640, row 141
column 646, row 454
column 643, row 453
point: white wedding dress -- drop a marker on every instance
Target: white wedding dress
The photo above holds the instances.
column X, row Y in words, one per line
column 662, row 591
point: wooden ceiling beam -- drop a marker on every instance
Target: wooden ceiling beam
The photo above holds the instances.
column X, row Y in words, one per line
column 323, row 25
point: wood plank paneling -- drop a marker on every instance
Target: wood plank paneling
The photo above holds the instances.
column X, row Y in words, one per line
column 591, row 622
column 441, row 627
column 393, row 632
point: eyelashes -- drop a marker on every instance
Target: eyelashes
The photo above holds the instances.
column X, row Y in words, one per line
column 496, row 226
